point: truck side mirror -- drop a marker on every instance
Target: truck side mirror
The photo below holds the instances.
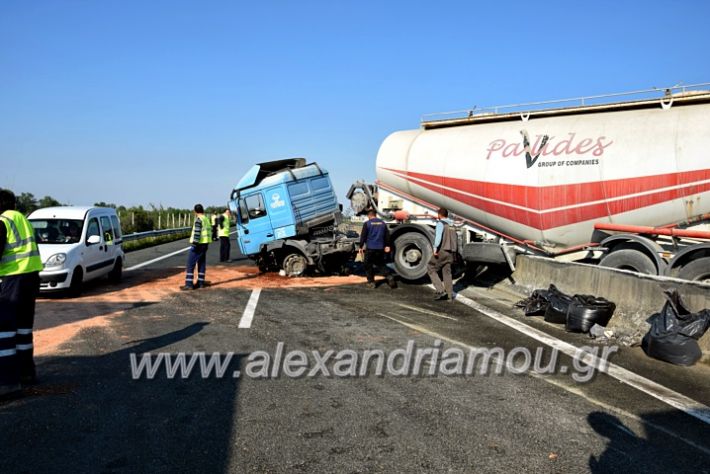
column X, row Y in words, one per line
column 93, row 240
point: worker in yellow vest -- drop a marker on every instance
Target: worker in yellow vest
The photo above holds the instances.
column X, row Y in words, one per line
column 200, row 239
column 213, row 220
column 224, row 222
column 20, row 265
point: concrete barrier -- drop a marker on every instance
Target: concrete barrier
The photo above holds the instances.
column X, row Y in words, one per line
column 636, row 296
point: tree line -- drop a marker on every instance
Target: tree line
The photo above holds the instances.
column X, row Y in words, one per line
column 133, row 219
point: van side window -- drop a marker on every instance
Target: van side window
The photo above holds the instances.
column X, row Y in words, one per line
column 106, row 226
column 116, row 227
column 255, row 206
column 93, row 228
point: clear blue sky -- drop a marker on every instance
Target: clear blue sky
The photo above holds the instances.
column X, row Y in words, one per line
column 139, row 102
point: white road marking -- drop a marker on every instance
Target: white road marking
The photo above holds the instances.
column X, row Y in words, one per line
column 248, row 316
column 150, row 262
column 656, row 390
column 155, row 260
column 426, row 311
column 556, row 383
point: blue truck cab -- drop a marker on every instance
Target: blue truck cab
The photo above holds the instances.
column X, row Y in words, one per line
column 283, row 206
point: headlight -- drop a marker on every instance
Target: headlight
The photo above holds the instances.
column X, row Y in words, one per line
column 56, row 260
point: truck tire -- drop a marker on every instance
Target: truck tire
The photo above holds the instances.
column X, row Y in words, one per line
column 294, row 264
column 697, row 270
column 629, row 259
column 412, row 252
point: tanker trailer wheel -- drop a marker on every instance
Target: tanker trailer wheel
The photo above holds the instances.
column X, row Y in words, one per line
column 294, row 264
column 412, row 252
column 697, row 270
column 630, row 259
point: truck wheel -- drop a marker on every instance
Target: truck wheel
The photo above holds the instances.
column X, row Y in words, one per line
column 697, row 270
column 116, row 274
column 77, row 281
column 629, row 259
column 412, row 252
column 294, row 264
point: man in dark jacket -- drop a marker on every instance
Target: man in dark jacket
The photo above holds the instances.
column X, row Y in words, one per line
column 374, row 242
column 445, row 246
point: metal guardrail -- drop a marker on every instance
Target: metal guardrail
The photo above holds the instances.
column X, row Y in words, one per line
column 153, row 233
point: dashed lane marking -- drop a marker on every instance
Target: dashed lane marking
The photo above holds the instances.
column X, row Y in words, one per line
column 248, row 316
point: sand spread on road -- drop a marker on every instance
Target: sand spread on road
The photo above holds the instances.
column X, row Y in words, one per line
column 102, row 302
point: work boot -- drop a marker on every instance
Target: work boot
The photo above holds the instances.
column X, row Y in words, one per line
column 371, row 284
column 204, row 284
column 187, row 288
column 441, row 297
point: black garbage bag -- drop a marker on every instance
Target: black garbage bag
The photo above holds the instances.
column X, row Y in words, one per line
column 558, row 303
column 586, row 310
column 535, row 304
column 675, row 331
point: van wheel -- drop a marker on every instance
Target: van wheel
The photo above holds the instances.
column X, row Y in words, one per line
column 77, row 282
column 697, row 270
column 412, row 252
column 116, row 274
column 629, row 259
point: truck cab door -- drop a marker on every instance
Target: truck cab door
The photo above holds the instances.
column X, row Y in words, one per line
column 255, row 225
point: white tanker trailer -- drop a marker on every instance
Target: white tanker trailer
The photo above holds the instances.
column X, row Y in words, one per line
column 624, row 184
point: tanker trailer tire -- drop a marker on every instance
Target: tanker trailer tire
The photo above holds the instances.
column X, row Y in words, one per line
column 412, row 252
column 294, row 264
column 697, row 270
column 629, row 259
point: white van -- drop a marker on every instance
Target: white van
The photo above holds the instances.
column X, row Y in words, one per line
column 77, row 244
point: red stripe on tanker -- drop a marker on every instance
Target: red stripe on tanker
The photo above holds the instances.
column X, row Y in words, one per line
column 490, row 195
column 646, row 167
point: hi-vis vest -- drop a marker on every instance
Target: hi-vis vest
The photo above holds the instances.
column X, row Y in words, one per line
column 205, row 233
column 223, row 230
column 20, row 254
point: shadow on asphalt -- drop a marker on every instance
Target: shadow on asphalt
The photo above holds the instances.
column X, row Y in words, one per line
column 90, row 415
column 625, row 448
column 234, row 280
column 482, row 276
column 72, row 311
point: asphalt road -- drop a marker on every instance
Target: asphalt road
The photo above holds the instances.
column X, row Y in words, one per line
column 90, row 414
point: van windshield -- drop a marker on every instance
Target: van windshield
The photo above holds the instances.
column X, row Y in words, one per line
column 57, row 231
